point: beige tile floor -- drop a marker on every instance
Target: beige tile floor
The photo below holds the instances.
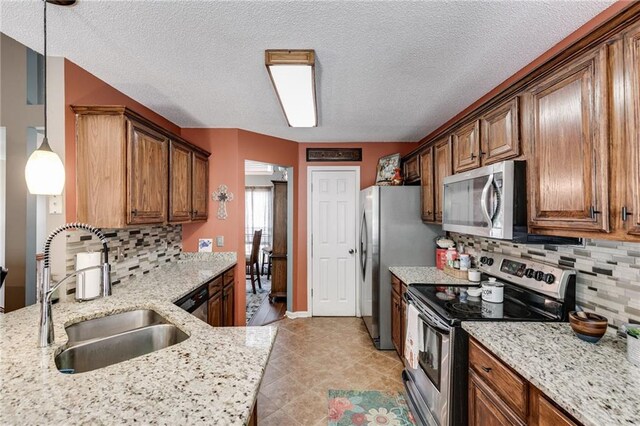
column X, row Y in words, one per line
column 313, row 355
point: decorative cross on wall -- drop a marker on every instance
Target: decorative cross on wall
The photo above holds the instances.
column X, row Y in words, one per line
column 222, row 195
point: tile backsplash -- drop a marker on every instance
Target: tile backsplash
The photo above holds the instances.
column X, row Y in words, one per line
column 141, row 250
column 608, row 279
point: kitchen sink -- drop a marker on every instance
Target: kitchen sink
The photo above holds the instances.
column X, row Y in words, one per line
column 113, row 324
column 101, row 342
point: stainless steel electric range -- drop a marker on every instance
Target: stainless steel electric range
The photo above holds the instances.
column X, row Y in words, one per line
column 533, row 291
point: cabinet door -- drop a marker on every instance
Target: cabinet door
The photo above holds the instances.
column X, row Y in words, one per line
column 147, row 176
column 486, row 408
column 200, row 192
column 215, row 310
column 500, row 134
column 466, row 147
column 569, row 147
column 396, row 318
column 403, row 319
column 179, row 182
column 411, row 170
column 627, row 177
column 426, row 183
column 227, row 302
column 441, row 169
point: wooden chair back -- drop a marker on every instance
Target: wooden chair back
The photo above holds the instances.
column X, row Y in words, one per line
column 255, row 246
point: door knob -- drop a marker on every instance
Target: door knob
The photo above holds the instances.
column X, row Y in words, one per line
column 352, row 251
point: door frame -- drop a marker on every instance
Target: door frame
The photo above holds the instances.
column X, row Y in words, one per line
column 310, row 170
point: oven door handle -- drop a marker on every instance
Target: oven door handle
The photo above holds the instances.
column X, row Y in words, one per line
column 433, row 325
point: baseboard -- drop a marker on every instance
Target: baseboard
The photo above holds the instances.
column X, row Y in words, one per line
column 298, row 314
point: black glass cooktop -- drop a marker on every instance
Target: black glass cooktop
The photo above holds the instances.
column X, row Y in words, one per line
column 518, row 305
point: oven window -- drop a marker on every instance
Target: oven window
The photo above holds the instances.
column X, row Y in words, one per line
column 430, row 355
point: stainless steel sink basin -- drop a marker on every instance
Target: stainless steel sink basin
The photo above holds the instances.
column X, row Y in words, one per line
column 105, row 341
column 113, row 324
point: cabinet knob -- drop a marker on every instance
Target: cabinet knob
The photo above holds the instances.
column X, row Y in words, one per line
column 134, row 212
column 351, row 251
column 625, row 213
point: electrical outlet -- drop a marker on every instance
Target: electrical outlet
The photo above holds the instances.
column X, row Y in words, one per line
column 220, row 241
column 55, row 204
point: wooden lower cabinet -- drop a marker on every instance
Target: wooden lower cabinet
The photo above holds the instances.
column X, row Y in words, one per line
column 222, row 300
column 500, row 396
column 398, row 314
column 485, row 406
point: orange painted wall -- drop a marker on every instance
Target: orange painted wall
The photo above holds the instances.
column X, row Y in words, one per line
column 83, row 88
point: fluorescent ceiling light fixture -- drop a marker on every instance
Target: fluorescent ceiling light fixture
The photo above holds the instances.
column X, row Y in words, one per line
column 292, row 73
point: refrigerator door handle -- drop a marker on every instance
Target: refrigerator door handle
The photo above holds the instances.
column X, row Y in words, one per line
column 363, row 244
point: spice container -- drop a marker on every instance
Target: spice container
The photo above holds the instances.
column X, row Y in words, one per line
column 452, row 255
column 492, row 291
column 465, row 262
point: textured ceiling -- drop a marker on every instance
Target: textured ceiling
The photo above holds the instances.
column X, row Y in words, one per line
column 386, row 71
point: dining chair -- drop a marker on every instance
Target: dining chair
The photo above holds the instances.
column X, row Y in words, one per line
column 253, row 262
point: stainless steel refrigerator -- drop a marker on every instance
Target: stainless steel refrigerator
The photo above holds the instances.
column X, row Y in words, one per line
column 391, row 234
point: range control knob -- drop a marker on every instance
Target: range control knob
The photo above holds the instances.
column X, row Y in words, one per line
column 483, row 259
column 489, row 261
column 549, row 278
column 528, row 273
column 538, row 275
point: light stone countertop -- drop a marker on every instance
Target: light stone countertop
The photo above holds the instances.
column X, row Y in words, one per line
column 211, row 378
column 426, row 275
column 593, row 382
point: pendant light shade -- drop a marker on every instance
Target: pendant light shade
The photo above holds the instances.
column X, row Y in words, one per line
column 44, row 172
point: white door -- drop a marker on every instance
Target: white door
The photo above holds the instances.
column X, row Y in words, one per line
column 333, row 217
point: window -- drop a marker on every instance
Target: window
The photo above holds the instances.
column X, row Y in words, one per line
column 258, row 215
column 256, row 168
column 35, row 78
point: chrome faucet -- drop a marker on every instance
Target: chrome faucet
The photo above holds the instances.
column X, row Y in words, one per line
column 45, row 291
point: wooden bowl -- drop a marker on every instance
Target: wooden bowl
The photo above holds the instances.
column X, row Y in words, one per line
column 590, row 329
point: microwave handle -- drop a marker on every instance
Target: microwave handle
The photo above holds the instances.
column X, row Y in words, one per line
column 483, row 200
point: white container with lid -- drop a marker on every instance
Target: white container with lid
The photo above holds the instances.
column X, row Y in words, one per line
column 492, row 291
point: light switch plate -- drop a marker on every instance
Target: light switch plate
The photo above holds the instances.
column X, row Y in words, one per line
column 55, row 204
column 220, row 241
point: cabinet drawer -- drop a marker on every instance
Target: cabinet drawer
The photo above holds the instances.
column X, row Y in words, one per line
column 395, row 283
column 511, row 388
column 215, row 285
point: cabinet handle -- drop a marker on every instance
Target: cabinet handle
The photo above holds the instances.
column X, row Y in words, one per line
column 625, row 213
column 593, row 212
column 195, row 212
column 473, row 156
column 481, row 154
column 428, row 212
column 486, row 369
column 134, row 212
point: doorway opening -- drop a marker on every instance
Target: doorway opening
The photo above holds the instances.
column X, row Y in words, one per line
column 267, row 238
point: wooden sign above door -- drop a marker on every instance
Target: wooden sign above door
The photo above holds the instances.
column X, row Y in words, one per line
column 334, row 154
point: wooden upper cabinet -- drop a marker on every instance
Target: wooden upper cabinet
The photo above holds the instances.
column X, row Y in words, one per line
column 426, row 184
column 411, row 169
column 200, row 187
column 179, row 182
column 625, row 173
column 147, row 175
column 500, row 133
column 466, row 147
column 441, row 169
column 129, row 173
column 569, row 147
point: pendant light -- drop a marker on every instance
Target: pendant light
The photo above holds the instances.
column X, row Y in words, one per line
column 44, row 171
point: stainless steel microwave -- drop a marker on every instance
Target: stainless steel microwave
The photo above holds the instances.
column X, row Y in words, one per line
column 491, row 202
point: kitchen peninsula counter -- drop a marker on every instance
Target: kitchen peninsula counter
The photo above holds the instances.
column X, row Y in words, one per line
column 212, row 377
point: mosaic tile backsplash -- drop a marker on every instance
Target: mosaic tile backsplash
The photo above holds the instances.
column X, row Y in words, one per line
column 608, row 279
column 141, row 250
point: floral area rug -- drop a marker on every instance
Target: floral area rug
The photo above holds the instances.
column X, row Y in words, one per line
column 255, row 300
column 368, row 408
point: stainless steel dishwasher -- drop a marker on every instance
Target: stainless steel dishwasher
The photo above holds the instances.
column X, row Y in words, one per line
column 196, row 303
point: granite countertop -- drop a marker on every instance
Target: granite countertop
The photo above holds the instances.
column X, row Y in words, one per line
column 593, row 382
column 212, row 377
column 426, row 275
